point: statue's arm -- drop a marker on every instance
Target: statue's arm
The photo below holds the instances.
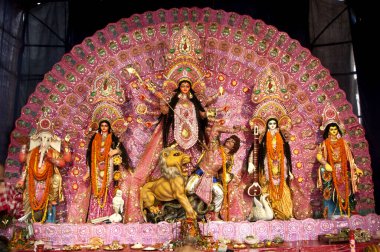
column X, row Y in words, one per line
column 225, row 129
column 22, row 159
column 321, row 158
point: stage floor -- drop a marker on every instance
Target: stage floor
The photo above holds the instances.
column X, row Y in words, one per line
column 299, row 246
column 299, row 235
column 147, row 233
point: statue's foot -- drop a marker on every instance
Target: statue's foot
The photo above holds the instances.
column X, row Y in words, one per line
column 213, row 216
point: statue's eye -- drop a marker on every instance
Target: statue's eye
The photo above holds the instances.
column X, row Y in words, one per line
column 177, row 154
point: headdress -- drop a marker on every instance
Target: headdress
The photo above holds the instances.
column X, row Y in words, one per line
column 106, row 87
column 184, row 60
column 270, row 84
column 111, row 113
column 44, row 124
column 106, row 94
column 267, row 110
column 269, row 92
column 330, row 115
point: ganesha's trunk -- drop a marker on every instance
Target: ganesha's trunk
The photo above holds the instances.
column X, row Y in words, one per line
column 43, row 151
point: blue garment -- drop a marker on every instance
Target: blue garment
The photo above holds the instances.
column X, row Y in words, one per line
column 200, row 172
column 51, row 214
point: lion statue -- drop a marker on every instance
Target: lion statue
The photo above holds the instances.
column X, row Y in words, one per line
column 170, row 186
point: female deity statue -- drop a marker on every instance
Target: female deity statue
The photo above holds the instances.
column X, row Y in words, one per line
column 184, row 118
column 338, row 173
column 275, row 170
column 104, row 155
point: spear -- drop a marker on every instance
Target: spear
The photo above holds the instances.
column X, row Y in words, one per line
column 151, row 87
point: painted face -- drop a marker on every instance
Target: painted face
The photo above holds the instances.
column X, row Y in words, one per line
column 272, row 124
column 45, row 139
column 185, row 87
column 333, row 131
column 230, row 143
column 104, row 127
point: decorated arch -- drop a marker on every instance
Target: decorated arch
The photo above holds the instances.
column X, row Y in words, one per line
column 262, row 70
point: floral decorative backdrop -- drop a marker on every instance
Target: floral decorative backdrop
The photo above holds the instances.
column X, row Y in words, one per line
column 240, row 53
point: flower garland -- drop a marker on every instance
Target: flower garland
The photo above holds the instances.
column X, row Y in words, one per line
column 34, row 174
column 224, row 181
column 96, row 157
column 275, row 154
column 342, row 158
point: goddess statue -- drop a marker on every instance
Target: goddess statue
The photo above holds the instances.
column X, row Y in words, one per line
column 183, row 108
column 275, row 170
column 104, row 155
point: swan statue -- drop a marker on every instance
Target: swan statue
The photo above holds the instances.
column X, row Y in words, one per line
column 261, row 209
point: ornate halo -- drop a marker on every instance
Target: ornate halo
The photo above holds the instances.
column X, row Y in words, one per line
column 330, row 115
column 267, row 110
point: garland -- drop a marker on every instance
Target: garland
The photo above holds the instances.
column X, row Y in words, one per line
column 43, row 216
column 224, row 181
column 34, row 174
column 96, row 157
column 342, row 158
column 275, row 154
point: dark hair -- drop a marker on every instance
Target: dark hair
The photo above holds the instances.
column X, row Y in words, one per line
column 169, row 118
column 115, row 144
column 327, row 129
column 108, row 123
column 263, row 147
column 271, row 119
column 236, row 145
column 182, row 81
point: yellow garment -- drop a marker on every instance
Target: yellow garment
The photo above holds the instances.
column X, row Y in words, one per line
column 282, row 208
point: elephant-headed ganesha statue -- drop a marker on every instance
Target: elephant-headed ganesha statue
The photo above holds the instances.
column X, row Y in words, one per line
column 41, row 179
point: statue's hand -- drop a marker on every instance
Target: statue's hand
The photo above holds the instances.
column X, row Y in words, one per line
column 328, row 167
column 113, row 152
column 67, row 138
column 20, row 185
column 251, row 168
column 291, row 176
column 237, row 127
column 358, row 172
column 85, row 177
